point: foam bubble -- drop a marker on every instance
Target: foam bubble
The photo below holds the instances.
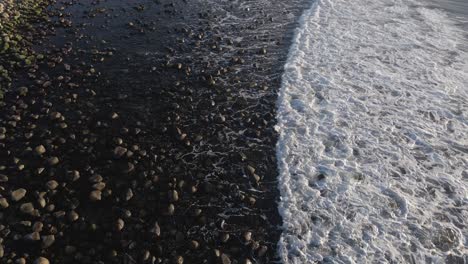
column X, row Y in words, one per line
column 373, row 148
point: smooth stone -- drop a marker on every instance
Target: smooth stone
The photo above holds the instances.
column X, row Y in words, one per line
column 47, row 241
column 95, row 195
column 53, row 161
column 40, row 150
column 225, row 259
column 27, row 208
column 18, row 194
column 120, row 224
column 4, row 203
column 52, row 184
column 41, row 260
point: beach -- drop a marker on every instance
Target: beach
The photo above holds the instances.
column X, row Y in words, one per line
column 144, row 134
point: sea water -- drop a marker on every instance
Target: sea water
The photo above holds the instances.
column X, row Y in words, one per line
column 373, row 123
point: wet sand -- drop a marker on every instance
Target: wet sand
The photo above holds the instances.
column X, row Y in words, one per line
column 146, row 134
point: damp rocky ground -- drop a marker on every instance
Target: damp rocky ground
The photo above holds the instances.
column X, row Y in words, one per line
column 144, row 133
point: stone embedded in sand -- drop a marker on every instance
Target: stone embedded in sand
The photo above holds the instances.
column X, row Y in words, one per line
column 47, row 241
column 40, row 150
column 27, row 208
column 247, row 236
column 170, row 209
column 194, row 244
column 179, row 260
column 262, row 251
column 156, row 230
column 53, row 161
column 95, row 195
column 250, row 169
column 18, row 194
column 173, row 196
column 225, row 259
column 119, row 151
column 119, row 225
column 55, row 115
column 52, row 184
column 41, row 260
column 128, row 194
column 4, row 203
column 3, row 178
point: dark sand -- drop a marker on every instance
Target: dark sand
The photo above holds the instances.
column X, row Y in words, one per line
column 146, row 135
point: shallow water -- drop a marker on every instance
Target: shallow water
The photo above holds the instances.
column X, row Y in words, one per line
column 373, row 148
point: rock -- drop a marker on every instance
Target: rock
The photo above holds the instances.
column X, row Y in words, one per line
column 119, row 151
column 4, row 203
column 27, row 208
column 128, row 167
column 225, row 237
column 225, row 259
column 52, row 184
column 41, row 260
column 2, row 251
column 114, row 116
column 128, row 194
column 247, row 236
column 179, row 260
column 119, row 225
column 262, row 251
column 95, row 195
column 73, row 216
column 156, row 229
column 47, row 241
column 95, row 178
column 53, row 161
column 20, row 261
column 173, row 196
column 170, row 209
column 40, row 150
column 37, row 227
column 251, row 170
column 194, row 244
column 34, row 236
column 3, row 178
column 55, row 115
column 18, row 194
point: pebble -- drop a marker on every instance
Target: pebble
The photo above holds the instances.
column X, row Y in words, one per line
column 4, row 203
column 27, row 208
column 40, row 150
column 173, row 196
column 179, row 260
column 47, row 241
column 119, row 151
column 3, row 178
column 262, row 251
column 194, row 244
column 18, row 194
column 52, row 184
column 247, row 236
column 170, row 209
column 157, row 229
column 128, row 194
column 119, row 225
column 225, row 259
column 95, row 195
column 53, row 161
column 41, row 260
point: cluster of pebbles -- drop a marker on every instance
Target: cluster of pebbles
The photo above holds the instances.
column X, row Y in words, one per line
column 145, row 134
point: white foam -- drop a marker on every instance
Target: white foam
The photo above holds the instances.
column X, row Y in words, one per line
column 373, row 148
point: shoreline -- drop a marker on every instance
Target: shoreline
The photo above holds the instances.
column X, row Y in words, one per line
column 174, row 166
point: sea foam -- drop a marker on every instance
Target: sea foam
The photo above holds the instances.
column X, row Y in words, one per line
column 373, row 147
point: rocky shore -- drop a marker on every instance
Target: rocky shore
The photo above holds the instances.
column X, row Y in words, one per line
column 145, row 134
